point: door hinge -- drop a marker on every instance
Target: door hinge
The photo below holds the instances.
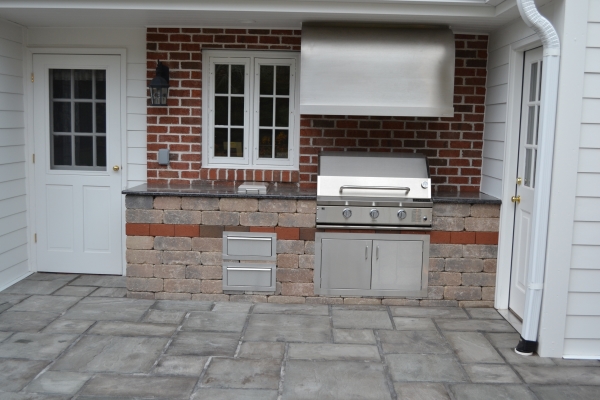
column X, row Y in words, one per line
column 32, row 77
column 33, row 158
column 35, row 237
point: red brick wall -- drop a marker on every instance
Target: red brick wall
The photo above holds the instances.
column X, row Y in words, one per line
column 453, row 145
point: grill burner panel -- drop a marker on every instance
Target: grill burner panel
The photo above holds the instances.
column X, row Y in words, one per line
column 374, row 190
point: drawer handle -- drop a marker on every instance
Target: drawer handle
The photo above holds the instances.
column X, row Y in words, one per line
column 248, row 269
column 247, row 238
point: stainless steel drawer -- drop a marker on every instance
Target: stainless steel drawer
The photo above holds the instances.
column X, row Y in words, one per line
column 249, row 246
column 254, row 277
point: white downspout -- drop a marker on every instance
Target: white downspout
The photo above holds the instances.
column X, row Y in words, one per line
column 543, row 178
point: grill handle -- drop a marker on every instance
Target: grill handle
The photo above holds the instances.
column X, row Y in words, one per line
column 406, row 189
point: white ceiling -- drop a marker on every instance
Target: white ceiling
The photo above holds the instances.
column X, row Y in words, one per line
column 461, row 15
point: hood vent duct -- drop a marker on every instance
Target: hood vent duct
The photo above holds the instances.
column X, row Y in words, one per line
column 358, row 69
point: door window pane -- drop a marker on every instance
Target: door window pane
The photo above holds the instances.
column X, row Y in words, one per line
column 265, row 143
column 533, row 82
column 101, row 151
column 61, row 146
column 528, row 159
column 283, row 80
column 266, row 79
column 100, row 117
column 61, row 116
column 83, row 88
column 531, row 119
column 84, row 151
column 100, row 84
column 281, row 143
column 61, row 83
column 84, row 118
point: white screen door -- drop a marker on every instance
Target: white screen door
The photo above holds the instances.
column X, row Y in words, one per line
column 528, row 144
column 77, row 134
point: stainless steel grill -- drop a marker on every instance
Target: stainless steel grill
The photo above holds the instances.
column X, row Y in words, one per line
column 374, row 191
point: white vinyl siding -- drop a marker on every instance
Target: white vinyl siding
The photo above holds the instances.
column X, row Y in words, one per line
column 134, row 41
column 582, row 333
column 13, row 202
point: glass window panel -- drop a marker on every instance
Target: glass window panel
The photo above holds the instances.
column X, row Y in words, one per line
column 281, row 143
column 531, row 124
column 221, row 110
column 84, row 151
column 533, row 82
column 100, row 117
column 534, row 165
column 100, row 84
column 540, row 80
column 266, row 111
column 266, row 79
column 83, row 79
column 282, row 111
column 265, row 143
column 220, row 142
column 236, row 146
column 237, row 79
column 537, row 125
column 62, row 150
column 528, row 157
column 61, row 83
column 221, row 78
column 282, row 87
column 84, row 119
column 61, row 116
column 101, row 151
column 237, row 111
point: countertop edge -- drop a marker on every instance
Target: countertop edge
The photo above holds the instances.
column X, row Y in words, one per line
column 286, row 194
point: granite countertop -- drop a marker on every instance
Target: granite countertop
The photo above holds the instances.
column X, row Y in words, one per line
column 285, row 191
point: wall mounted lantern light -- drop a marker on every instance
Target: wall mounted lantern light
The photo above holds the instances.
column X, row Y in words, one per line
column 159, row 86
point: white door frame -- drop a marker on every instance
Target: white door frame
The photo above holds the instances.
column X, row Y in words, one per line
column 29, row 136
column 511, row 153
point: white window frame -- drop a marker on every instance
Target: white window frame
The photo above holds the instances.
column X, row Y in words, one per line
column 252, row 60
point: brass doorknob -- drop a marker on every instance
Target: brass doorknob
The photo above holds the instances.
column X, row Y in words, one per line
column 519, row 181
column 516, row 199
column 116, row 168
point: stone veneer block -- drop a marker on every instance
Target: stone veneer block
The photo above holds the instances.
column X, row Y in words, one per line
column 485, row 210
column 463, row 265
column 143, row 256
column 446, row 250
column 182, row 217
column 144, row 284
column 451, row 210
column 306, row 207
column 481, row 224
column 181, row 257
column 138, row 216
column 297, row 220
column 290, row 246
column 200, row 203
column 237, row 204
column 139, row 202
column 220, row 218
column 480, row 251
column 448, row 224
column 139, row 242
column 259, row 219
column 207, row 244
column 481, row 279
column 167, row 203
column 277, row 206
column 172, row 243
column 211, row 258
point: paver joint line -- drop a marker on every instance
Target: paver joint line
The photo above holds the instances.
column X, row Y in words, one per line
column 386, row 370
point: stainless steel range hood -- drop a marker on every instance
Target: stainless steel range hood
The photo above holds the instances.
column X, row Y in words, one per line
column 358, row 69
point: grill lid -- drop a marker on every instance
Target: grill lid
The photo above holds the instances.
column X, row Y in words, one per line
column 346, row 176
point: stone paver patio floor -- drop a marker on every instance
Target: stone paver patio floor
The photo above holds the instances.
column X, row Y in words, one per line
column 65, row 336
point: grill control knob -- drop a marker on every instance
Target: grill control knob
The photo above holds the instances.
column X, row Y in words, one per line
column 374, row 213
column 347, row 213
column 401, row 214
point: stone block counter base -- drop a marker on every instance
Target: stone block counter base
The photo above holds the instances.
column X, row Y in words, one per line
column 174, row 246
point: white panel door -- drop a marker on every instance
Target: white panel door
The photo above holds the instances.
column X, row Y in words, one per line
column 525, row 187
column 77, row 131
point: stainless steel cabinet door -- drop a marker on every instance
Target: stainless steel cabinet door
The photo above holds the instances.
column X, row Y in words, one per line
column 397, row 265
column 346, row 264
